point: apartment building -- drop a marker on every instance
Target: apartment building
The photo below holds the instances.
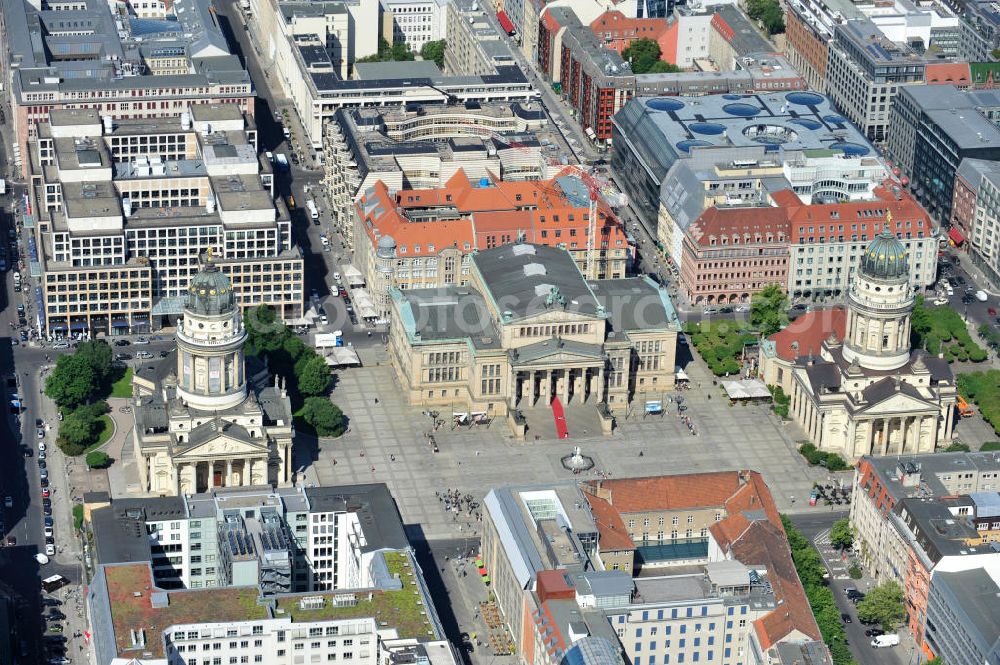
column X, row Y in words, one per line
column 120, row 65
column 595, row 80
column 968, row 180
column 932, row 129
column 827, row 240
column 963, row 624
column 124, row 209
column 423, row 146
column 416, row 22
column 980, row 32
column 577, row 549
column 651, row 134
column 422, row 239
column 984, row 242
column 318, row 83
column 748, row 177
column 864, row 73
column 729, row 254
column 283, row 539
column 134, row 619
column 918, row 516
column 474, row 46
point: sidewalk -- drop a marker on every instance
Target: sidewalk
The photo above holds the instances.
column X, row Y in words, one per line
column 981, row 281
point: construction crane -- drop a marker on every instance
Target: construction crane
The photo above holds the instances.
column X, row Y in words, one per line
column 593, row 186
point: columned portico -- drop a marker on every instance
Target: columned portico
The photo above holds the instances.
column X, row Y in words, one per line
column 572, row 385
column 206, row 475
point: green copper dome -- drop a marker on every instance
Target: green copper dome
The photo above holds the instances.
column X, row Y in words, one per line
column 885, row 257
column 210, row 291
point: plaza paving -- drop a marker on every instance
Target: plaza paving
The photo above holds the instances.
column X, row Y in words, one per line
column 478, row 458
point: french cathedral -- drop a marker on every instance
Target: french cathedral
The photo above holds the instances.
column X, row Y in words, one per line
column 205, row 420
column 870, row 393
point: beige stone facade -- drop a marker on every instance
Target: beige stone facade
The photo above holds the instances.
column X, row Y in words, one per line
column 869, row 394
column 527, row 329
column 203, row 422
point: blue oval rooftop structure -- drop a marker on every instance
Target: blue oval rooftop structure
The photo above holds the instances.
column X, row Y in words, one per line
column 806, row 122
column 665, row 104
column 686, row 146
column 835, row 119
column 804, row 98
column 707, row 128
column 851, row 149
column 732, row 97
column 742, row 110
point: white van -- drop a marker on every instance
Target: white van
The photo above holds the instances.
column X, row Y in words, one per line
column 888, row 640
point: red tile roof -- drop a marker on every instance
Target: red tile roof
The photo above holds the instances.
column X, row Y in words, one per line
column 691, row 490
column 808, row 332
column 948, row 72
column 729, row 222
column 612, row 534
column 751, row 532
column 836, row 222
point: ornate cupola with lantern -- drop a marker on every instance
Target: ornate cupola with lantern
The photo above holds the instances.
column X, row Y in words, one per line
column 210, row 417
column 872, row 394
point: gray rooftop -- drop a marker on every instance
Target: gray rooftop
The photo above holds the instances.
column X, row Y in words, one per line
column 978, row 593
column 671, row 588
column 779, row 122
column 365, row 71
column 120, row 529
column 376, row 509
column 635, row 303
column 974, row 170
column 920, row 475
column 525, row 280
column 447, row 313
column 746, row 39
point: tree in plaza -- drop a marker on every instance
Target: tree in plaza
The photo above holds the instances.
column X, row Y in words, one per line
column 98, row 460
column 434, row 51
column 767, row 309
column 312, row 374
column 841, row 533
column 77, row 431
column 884, row 605
column 957, row 447
column 72, row 381
column 324, row 416
column 265, row 331
column 99, row 356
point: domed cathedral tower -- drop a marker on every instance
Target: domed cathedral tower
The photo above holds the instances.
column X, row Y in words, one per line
column 879, row 305
column 211, row 371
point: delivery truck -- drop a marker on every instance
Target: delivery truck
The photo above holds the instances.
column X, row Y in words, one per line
column 888, row 640
column 313, row 210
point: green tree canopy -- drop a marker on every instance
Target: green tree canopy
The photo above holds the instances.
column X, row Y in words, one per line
column 644, row 56
column 768, row 310
column 841, row 533
column 884, row 605
column 434, row 51
column 72, row 382
column 78, row 430
column 769, row 13
column 99, row 356
column 312, row 374
column 324, row 416
column 98, row 460
column 389, row 52
column 957, row 447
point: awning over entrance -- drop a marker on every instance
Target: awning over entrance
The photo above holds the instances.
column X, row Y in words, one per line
column 119, row 323
column 363, row 301
column 341, row 356
column 956, row 236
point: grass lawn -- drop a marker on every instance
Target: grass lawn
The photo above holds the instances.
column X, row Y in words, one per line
column 123, row 386
column 942, row 330
column 983, row 388
column 106, row 431
column 720, row 344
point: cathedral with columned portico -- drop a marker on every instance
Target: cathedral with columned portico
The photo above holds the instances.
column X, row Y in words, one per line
column 210, row 418
column 870, row 393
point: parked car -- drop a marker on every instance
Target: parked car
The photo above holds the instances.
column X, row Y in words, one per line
column 8, row 502
column 49, row 532
column 61, row 345
column 11, row 541
column 846, row 617
column 56, row 615
column 143, row 355
column 41, row 463
column 45, row 492
column 50, row 550
column 874, row 632
column 122, row 357
column 122, row 342
column 142, row 340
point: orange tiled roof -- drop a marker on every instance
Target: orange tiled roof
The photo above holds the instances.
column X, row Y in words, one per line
column 611, row 529
column 948, row 72
column 832, row 221
column 809, row 331
column 718, row 222
column 690, row 490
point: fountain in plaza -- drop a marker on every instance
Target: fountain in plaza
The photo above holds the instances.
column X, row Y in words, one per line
column 577, row 461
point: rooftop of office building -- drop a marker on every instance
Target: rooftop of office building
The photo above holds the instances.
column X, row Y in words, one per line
column 777, row 122
column 138, row 606
column 975, row 591
column 922, row 476
column 869, row 40
column 100, row 48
